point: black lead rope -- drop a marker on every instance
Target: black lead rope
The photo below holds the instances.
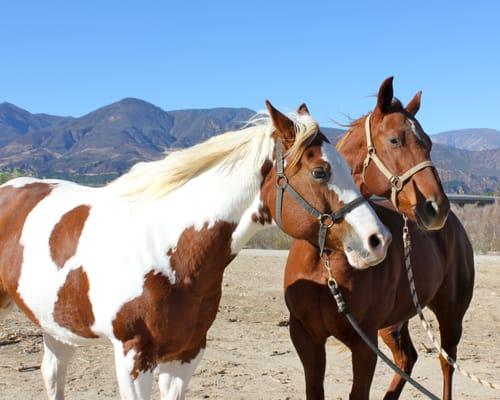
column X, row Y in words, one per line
column 343, row 309
column 326, row 221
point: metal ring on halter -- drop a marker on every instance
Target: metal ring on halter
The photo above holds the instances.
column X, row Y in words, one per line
column 326, row 220
column 371, row 150
column 396, row 182
column 282, row 181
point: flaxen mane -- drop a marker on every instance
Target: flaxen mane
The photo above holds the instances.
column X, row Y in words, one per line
column 246, row 147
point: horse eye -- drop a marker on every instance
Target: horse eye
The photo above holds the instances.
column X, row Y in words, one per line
column 394, row 141
column 319, row 174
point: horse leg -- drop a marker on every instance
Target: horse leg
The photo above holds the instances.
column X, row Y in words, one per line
column 364, row 361
column 134, row 372
column 175, row 376
column 313, row 356
column 6, row 303
column 56, row 356
column 450, row 329
column 397, row 338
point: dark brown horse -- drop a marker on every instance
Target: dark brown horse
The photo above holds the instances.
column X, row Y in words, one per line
column 379, row 297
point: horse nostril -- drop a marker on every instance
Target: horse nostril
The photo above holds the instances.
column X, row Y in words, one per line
column 374, row 241
column 431, row 209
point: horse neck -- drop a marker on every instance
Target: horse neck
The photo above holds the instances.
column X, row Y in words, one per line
column 353, row 149
column 208, row 200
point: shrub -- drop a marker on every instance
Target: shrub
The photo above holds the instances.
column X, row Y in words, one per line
column 11, row 174
column 482, row 225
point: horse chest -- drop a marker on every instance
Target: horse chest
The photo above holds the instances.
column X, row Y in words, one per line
column 171, row 321
column 170, row 318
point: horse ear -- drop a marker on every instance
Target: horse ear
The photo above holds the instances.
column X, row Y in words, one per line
column 303, row 110
column 285, row 129
column 385, row 95
column 414, row 104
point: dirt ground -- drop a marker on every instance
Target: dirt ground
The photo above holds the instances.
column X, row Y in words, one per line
column 249, row 354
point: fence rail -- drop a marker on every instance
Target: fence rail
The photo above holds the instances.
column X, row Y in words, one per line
column 462, row 199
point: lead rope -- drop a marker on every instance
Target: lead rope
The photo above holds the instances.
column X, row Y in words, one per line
column 343, row 309
column 423, row 320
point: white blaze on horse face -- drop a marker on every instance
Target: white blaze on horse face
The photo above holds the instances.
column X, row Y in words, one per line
column 365, row 224
column 414, row 129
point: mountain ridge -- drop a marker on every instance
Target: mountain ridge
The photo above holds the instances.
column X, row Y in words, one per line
column 105, row 142
column 475, row 139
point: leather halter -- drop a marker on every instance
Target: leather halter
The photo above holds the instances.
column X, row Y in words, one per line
column 326, row 220
column 397, row 181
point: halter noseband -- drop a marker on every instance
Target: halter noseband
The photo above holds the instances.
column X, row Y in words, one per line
column 326, row 221
column 397, row 181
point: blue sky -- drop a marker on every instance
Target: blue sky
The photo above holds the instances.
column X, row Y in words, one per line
column 65, row 58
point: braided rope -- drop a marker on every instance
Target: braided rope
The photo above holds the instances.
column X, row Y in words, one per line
column 423, row 320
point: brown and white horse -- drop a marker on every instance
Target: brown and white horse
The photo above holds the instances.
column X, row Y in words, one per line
column 379, row 297
column 139, row 262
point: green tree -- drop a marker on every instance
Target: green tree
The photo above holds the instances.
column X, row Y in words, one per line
column 11, row 174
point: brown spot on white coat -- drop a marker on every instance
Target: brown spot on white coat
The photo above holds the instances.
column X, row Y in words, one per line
column 15, row 206
column 66, row 234
column 73, row 309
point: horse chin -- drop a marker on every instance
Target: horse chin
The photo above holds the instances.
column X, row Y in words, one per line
column 359, row 262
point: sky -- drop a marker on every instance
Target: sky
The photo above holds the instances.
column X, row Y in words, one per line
column 69, row 58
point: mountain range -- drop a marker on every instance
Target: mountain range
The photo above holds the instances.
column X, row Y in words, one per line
column 470, row 139
column 103, row 144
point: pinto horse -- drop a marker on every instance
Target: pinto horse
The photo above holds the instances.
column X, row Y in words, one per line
column 379, row 297
column 139, row 262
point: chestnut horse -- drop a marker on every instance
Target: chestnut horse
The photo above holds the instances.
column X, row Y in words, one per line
column 139, row 262
column 380, row 298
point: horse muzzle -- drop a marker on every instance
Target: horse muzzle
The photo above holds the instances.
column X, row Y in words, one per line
column 431, row 214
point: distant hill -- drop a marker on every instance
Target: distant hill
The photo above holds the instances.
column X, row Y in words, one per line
column 105, row 143
column 470, row 139
column 15, row 122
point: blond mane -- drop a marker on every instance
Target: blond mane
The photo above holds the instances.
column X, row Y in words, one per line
column 248, row 147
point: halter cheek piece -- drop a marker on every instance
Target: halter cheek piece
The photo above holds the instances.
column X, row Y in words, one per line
column 326, row 221
column 397, row 182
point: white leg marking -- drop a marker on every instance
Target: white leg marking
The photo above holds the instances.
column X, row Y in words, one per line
column 175, row 376
column 56, row 356
column 130, row 388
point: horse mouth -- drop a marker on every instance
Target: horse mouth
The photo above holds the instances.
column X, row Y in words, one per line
column 363, row 259
column 422, row 224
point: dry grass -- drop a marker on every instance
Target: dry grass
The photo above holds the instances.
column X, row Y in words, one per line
column 482, row 225
column 272, row 238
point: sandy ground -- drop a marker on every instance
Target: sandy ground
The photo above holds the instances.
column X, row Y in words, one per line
column 249, row 354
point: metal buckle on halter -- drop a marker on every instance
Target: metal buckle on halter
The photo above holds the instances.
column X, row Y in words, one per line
column 327, row 220
column 396, row 182
column 371, row 150
column 281, row 181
